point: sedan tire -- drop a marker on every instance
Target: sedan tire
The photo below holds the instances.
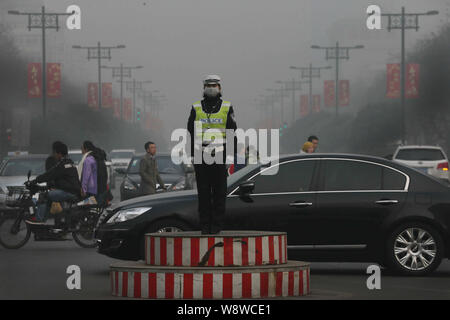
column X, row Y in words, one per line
column 165, row 225
column 414, row 249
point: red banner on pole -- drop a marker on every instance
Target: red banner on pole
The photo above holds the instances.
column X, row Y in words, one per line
column 328, row 93
column 107, row 95
column 412, row 80
column 93, row 95
column 34, row 80
column 127, row 109
column 393, row 80
column 304, row 105
column 344, row 93
column 53, row 80
column 116, row 107
column 148, row 120
column 316, row 103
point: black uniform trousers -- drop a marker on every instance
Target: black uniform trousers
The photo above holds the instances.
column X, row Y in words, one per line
column 212, row 194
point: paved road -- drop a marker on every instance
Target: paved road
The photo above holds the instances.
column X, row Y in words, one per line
column 38, row 271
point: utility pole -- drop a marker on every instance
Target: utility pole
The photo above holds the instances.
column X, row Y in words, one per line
column 42, row 20
column 404, row 21
column 309, row 73
column 133, row 86
column 337, row 53
column 120, row 72
column 292, row 86
column 98, row 53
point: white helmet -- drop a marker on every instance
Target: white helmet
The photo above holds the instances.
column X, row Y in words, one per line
column 212, row 78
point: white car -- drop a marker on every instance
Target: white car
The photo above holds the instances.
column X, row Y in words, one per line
column 429, row 159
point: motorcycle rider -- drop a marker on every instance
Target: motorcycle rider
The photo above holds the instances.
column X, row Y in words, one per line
column 65, row 180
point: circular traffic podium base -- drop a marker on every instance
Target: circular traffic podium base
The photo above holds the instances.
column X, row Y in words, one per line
column 139, row 280
column 225, row 249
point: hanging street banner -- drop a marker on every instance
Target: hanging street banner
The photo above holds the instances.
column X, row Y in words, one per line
column 53, row 80
column 34, row 80
column 412, row 80
column 316, row 103
column 304, row 105
column 127, row 109
column 116, row 107
column 344, row 93
column 107, row 95
column 93, row 95
column 393, row 80
column 148, row 120
column 328, row 93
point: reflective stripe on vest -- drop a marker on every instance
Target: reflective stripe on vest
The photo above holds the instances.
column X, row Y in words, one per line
column 217, row 121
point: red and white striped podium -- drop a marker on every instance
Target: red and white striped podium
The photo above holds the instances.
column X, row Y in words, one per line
column 229, row 265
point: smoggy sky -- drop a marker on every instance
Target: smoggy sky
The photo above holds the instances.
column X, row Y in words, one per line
column 249, row 43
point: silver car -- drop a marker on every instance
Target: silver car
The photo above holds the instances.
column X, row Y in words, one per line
column 14, row 171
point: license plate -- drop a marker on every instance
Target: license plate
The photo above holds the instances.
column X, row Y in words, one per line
column 424, row 170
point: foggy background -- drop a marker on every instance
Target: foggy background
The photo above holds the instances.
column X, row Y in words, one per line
column 250, row 44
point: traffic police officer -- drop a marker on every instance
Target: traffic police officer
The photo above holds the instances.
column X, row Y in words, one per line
column 213, row 113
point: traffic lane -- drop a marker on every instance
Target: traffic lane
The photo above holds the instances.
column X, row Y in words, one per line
column 349, row 281
column 38, row 271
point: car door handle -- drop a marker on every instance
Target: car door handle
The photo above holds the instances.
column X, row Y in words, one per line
column 387, row 201
column 300, row 204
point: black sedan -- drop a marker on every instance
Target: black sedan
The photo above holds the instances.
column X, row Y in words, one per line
column 334, row 207
column 175, row 176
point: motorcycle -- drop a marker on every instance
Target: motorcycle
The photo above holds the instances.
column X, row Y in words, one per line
column 78, row 220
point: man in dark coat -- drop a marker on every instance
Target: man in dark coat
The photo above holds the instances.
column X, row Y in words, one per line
column 148, row 170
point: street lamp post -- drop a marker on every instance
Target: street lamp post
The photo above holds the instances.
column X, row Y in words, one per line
column 98, row 52
column 282, row 93
column 120, row 72
column 404, row 21
column 337, row 53
column 292, row 86
column 310, row 72
column 133, row 86
column 42, row 20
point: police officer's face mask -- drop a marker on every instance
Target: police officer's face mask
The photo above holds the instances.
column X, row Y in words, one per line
column 211, row 92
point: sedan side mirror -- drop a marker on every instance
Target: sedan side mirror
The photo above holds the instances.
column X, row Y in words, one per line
column 246, row 188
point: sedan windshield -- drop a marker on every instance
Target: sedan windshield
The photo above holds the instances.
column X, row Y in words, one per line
column 235, row 177
column 165, row 165
column 121, row 155
column 20, row 167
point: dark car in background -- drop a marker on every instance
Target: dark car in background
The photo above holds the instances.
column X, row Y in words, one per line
column 175, row 176
column 334, row 207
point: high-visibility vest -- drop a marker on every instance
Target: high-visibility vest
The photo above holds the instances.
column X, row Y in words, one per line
column 217, row 121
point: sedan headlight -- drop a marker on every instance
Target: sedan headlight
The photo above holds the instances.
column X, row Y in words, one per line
column 127, row 214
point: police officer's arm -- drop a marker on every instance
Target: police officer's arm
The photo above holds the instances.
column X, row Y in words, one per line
column 190, row 128
column 231, row 124
column 143, row 172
